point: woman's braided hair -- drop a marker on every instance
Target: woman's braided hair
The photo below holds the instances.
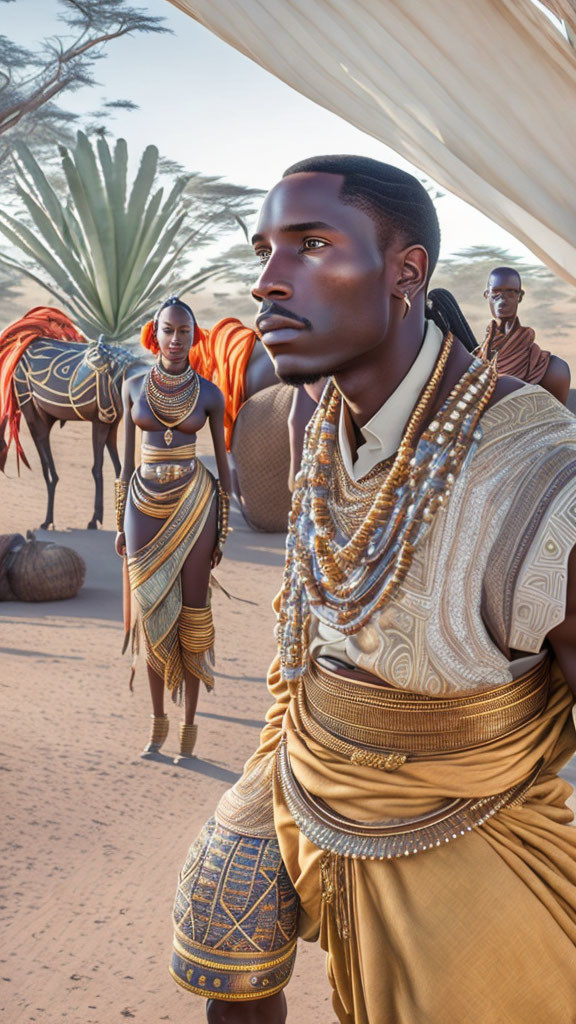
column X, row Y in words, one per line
column 172, row 301
column 442, row 308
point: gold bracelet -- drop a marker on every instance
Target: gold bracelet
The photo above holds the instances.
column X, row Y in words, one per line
column 223, row 515
column 120, row 499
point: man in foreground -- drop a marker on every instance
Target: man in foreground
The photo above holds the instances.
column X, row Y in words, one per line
column 403, row 805
column 514, row 346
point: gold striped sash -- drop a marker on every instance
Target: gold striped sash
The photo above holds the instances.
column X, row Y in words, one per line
column 383, row 727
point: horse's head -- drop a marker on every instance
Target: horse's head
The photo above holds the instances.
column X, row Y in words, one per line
column 113, row 359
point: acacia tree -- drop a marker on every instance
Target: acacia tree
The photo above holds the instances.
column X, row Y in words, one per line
column 32, row 81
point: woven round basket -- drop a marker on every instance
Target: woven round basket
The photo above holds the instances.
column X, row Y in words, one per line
column 45, row 572
column 261, row 450
column 9, row 544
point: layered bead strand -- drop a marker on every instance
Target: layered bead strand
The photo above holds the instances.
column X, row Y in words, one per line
column 347, row 582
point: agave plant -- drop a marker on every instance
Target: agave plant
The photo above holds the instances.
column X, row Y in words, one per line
column 110, row 256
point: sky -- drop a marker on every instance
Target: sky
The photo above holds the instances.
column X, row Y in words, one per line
column 213, row 110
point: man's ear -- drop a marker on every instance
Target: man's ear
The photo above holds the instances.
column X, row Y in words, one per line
column 521, row 294
column 413, row 271
column 485, row 293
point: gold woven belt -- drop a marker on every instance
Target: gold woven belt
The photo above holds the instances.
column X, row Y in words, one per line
column 150, row 453
column 382, row 727
column 165, row 472
column 397, row 837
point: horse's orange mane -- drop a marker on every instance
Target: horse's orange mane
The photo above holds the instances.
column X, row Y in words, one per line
column 222, row 355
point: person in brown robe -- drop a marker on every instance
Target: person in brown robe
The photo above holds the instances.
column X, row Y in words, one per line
column 515, row 346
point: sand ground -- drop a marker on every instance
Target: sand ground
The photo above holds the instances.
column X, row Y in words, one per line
column 94, row 836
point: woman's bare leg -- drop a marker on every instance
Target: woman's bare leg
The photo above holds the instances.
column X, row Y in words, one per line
column 156, row 691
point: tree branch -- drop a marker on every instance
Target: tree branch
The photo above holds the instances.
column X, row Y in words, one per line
column 12, row 116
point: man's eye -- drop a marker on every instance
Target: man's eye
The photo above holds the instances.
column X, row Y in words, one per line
column 263, row 256
column 313, row 243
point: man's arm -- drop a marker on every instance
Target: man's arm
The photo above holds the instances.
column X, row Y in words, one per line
column 563, row 637
column 556, row 380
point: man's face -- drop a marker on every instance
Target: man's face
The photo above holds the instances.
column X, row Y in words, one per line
column 325, row 284
column 503, row 294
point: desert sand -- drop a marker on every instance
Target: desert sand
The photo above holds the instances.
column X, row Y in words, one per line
column 94, row 836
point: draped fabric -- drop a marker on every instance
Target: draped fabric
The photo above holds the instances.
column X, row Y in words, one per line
column 39, row 322
column 154, row 574
column 479, row 95
column 450, row 934
column 481, row 929
column 516, row 352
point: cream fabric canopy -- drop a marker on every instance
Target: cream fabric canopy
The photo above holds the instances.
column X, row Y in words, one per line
column 479, row 94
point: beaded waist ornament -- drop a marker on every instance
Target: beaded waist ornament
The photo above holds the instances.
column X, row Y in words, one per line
column 165, row 472
column 398, row 837
column 347, row 576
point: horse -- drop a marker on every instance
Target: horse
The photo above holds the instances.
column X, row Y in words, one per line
column 59, row 380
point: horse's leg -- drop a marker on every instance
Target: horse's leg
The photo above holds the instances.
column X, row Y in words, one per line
column 112, row 446
column 40, row 425
column 99, row 435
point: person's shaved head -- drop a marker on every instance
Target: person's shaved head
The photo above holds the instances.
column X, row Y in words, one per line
column 504, row 272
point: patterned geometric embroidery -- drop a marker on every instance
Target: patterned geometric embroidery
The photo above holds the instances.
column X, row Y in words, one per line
column 235, row 917
column 247, row 808
column 540, row 598
column 440, row 634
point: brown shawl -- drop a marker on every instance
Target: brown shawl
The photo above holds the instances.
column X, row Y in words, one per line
column 516, row 352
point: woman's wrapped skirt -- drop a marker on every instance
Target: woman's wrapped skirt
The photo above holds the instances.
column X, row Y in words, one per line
column 174, row 638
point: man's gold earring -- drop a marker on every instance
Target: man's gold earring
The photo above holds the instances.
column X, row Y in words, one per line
column 408, row 305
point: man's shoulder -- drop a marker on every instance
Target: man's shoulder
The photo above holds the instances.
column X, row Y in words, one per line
column 528, row 405
column 528, row 422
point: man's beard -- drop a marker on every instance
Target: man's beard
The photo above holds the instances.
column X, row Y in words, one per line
column 297, row 379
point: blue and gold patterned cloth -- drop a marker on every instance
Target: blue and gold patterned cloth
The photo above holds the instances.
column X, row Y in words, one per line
column 235, row 917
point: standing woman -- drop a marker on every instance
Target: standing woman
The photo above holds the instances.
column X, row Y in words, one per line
column 172, row 517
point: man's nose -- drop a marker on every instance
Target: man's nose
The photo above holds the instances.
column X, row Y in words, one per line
column 271, row 285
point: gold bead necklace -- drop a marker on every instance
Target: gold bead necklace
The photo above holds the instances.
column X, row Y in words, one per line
column 346, row 581
column 172, row 397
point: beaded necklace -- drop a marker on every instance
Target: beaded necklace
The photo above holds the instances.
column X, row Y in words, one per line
column 171, row 396
column 346, row 581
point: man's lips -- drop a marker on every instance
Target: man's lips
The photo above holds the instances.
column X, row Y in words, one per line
column 269, row 322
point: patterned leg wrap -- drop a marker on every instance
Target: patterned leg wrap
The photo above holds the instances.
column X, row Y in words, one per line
column 235, row 917
column 158, row 733
column 196, row 634
column 188, row 737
